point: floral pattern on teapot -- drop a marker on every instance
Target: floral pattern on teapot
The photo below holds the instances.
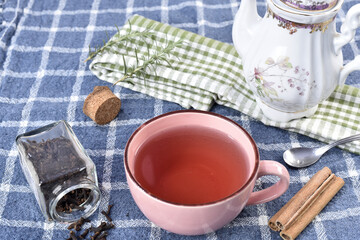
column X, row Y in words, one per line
column 310, row 4
column 293, row 26
column 277, row 77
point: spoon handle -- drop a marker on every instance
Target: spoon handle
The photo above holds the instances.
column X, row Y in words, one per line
column 338, row 142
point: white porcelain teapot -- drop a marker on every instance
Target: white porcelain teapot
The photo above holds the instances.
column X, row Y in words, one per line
column 292, row 58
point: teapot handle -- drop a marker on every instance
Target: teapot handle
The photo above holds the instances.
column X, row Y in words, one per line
column 348, row 68
column 348, row 30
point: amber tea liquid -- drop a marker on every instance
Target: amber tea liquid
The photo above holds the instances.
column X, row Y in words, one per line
column 191, row 165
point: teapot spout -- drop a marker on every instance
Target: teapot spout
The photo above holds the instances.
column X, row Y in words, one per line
column 245, row 22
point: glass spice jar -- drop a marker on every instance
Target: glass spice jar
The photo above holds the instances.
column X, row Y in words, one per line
column 60, row 173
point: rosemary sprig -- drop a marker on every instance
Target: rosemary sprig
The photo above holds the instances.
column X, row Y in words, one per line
column 149, row 61
column 147, row 33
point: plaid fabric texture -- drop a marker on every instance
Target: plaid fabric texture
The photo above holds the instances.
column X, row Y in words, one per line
column 206, row 71
column 43, row 45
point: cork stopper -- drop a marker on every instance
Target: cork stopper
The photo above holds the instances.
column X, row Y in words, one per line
column 102, row 106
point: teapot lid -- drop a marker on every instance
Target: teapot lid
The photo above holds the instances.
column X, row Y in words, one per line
column 311, row 5
column 306, row 11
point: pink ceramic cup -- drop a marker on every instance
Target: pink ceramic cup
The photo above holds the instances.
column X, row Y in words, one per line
column 202, row 218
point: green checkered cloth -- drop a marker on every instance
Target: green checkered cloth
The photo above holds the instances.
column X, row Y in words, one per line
column 204, row 71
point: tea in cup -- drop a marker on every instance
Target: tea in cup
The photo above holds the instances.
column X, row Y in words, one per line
column 191, row 172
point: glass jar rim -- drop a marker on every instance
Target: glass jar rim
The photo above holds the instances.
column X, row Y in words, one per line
column 90, row 207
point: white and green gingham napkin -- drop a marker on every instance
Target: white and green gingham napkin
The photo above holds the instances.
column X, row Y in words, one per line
column 206, row 71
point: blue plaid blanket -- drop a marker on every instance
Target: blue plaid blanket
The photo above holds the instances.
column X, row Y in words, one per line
column 43, row 45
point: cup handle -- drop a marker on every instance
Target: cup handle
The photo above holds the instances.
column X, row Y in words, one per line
column 270, row 168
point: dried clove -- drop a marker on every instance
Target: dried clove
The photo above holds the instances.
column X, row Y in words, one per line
column 95, row 236
column 73, row 200
column 109, row 209
column 103, row 227
column 72, row 226
column 57, row 162
column 103, row 235
column 78, row 224
column 99, row 228
column 84, row 234
column 72, row 236
column 106, row 215
column 100, row 232
column 108, row 226
column 81, row 222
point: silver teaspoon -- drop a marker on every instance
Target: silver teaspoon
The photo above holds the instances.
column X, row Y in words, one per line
column 303, row 156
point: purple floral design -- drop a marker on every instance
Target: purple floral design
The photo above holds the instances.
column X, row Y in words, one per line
column 288, row 77
column 310, row 5
column 294, row 26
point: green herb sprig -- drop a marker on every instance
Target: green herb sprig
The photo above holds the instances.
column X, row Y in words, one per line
column 149, row 60
column 121, row 39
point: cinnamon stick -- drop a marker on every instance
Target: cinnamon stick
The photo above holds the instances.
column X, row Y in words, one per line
column 311, row 200
column 278, row 221
column 293, row 230
column 295, row 215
